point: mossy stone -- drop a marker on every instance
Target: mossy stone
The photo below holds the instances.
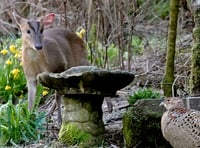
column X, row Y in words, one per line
column 141, row 125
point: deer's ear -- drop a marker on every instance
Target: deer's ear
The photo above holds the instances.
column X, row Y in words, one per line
column 48, row 20
column 18, row 19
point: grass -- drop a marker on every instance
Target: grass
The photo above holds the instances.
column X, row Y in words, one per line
column 18, row 125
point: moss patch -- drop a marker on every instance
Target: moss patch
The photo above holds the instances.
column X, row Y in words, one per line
column 71, row 134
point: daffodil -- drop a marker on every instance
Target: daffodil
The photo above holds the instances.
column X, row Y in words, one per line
column 15, row 73
column 20, row 64
column 21, row 96
column 4, row 52
column 13, row 49
column 45, row 92
column 81, row 33
column 8, row 62
column 18, row 55
column 7, row 87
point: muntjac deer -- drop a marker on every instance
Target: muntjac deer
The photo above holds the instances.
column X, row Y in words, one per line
column 47, row 49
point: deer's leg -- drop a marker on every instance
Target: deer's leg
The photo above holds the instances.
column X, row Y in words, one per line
column 109, row 104
column 53, row 107
column 58, row 103
column 31, row 94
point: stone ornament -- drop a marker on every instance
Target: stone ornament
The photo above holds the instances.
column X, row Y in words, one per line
column 84, row 88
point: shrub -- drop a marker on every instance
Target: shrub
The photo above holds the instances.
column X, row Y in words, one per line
column 145, row 93
column 137, row 45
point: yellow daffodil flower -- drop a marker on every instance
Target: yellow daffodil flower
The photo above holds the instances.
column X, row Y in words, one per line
column 15, row 73
column 7, row 87
column 4, row 52
column 18, row 55
column 21, row 96
column 13, row 49
column 45, row 92
column 81, row 33
column 8, row 62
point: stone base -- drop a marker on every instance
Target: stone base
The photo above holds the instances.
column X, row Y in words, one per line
column 82, row 121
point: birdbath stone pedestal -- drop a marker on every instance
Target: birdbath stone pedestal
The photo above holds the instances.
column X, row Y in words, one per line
column 84, row 88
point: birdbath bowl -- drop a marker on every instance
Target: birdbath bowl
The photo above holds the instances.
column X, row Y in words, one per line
column 84, row 88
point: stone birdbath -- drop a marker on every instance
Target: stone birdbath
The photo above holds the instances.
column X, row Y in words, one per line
column 84, row 88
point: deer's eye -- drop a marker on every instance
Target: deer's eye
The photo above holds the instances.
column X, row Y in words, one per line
column 28, row 31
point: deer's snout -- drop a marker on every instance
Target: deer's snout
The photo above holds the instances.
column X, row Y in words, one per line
column 38, row 47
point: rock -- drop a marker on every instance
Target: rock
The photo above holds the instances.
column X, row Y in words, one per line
column 141, row 125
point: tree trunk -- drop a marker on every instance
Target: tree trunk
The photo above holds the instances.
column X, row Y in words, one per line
column 169, row 70
column 195, row 67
